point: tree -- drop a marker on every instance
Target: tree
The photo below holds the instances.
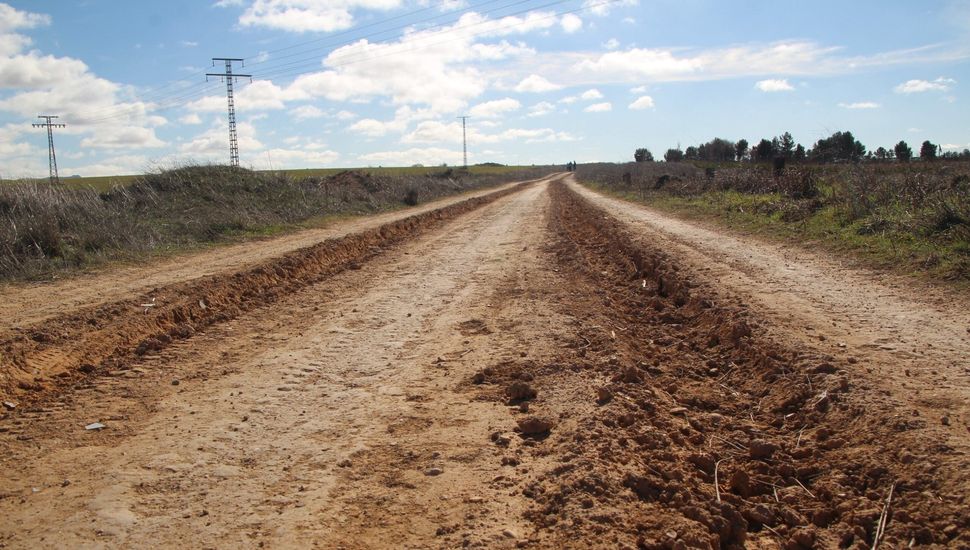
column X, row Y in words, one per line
column 763, row 151
column 903, row 151
column 692, row 153
column 740, row 149
column 716, row 150
column 799, row 152
column 787, row 148
column 643, row 155
column 927, row 151
column 882, row 153
column 840, row 146
column 674, row 155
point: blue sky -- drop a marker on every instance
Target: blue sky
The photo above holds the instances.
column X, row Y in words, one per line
column 351, row 83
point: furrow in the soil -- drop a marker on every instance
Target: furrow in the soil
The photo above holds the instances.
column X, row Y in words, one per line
column 39, row 360
column 705, row 431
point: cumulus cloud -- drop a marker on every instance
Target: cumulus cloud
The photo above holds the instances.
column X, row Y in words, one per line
column 261, row 95
column 919, row 86
column 494, row 109
column 860, row 105
column 599, row 108
column 774, row 85
column 591, row 94
column 571, row 23
column 307, row 15
column 641, row 103
column 541, row 109
column 536, row 84
column 191, row 118
column 305, row 112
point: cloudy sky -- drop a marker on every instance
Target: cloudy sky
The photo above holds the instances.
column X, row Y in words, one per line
column 380, row 82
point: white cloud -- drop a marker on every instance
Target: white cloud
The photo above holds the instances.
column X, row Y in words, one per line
column 536, row 84
column 344, row 115
column 191, row 118
column 308, row 15
column 123, row 138
column 402, row 118
column 569, row 99
column 493, row 109
column 641, row 103
column 599, row 108
column 305, row 112
column 601, row 8
column 213, row 143
column 638, row 90
column 273, row 159
column 541, row 109
column 261, row 95
column 774, row 85
column 611, row 44
column 189, row 43
column 860, row 105
column 919, row 86
column 591, row 94
column 571, row 23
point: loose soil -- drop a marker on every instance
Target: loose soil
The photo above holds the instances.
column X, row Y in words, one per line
column 531, row 368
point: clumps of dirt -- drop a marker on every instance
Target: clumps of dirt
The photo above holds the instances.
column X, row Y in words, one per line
column 38, row 361
column 473, row 327
column 712, row 435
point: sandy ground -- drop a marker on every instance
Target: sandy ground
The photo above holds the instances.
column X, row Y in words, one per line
column 527, row 373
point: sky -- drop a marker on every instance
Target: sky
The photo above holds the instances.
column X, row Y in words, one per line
column 353, row 83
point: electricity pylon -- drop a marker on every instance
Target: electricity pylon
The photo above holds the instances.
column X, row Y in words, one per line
column 50, row 143
column 464, row 140
column 229, row 78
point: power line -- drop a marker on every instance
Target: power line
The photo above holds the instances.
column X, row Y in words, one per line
column 50, row 143
column 230, row 78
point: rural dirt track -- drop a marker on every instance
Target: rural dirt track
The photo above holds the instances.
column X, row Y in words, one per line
column 394, row 388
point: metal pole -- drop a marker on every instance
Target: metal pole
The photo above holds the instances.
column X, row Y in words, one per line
column 229, row 76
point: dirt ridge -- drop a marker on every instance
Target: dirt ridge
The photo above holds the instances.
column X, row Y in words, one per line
column 713, row 435
column 37, row 361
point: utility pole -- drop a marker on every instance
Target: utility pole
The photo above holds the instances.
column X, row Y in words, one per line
column 229, row 78
column 464, row 139
column 50, row 142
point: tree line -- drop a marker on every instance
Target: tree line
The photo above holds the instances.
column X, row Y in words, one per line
column 839, row 147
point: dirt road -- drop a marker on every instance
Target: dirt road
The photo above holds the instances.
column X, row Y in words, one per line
column 519, row 371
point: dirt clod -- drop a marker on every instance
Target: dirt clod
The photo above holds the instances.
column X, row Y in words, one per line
column 761, row 449
column 535, row 425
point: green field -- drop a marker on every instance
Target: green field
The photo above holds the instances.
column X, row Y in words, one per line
column 104, row 183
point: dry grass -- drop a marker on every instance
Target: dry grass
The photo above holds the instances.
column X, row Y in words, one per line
column 46, row 229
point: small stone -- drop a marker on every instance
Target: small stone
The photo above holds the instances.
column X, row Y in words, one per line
column 9, row 406
column 65, row 483
column 176, row 382
column 604, row 395
column 95, row 426
column 678, row 410
column 759, row 448
column 945, row 420
column 631, row 375
column 523, row 407
column 345, row 463
column 510, row 534
column 533, row 425
column 520, row 391
column 476, row 500
column 479, row 378
column 434, row 471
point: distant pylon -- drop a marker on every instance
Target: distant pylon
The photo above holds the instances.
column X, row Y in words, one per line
column 50, row 143
column 229, row 78
column 464, row 140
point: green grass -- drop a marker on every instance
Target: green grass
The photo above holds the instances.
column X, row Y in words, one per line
column 861, row 240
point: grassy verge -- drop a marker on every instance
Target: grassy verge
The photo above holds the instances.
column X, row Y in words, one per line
column 866, row 215
column 47, row 231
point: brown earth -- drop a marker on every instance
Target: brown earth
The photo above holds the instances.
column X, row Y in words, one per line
column 524, row 369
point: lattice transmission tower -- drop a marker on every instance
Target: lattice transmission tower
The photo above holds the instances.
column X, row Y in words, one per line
column 229, row 78
column 464, row 140
column 50, row 142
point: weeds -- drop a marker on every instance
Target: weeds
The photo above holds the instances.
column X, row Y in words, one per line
column 910, row 215
column 45, row 229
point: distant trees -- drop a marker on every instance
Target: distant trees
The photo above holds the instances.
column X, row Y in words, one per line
column 674, row 155
column 740, row 150
column 881, row 153
column 787, row 146
column 763, row 151
column 840, row 146
column 927, row 151
column 717, row 150
column 800, row 153
column 903, row 152
column 643, row 155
